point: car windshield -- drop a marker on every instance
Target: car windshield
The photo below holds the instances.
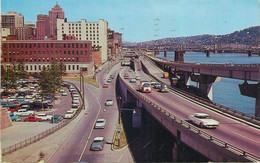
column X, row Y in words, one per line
column 100, row 121
column 147, row 85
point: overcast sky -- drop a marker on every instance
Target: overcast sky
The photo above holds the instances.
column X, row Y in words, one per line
column 144, row 20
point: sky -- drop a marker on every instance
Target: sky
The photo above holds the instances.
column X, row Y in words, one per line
column 145, row 20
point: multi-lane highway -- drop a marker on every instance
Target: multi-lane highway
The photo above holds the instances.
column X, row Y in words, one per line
column 75, row 147
column 230, row 130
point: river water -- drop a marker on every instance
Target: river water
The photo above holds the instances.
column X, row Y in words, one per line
column 225, row 92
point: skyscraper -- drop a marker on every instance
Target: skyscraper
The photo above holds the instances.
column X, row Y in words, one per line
column 55, row 13
column 43, row 27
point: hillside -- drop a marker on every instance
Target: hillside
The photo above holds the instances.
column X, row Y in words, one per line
column 245, row 36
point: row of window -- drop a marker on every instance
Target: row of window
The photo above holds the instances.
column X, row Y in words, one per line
column 42, row 60
column 47, row 52
column 72, row 24
column 45, row 45
column 80, row 28
column 34, row 68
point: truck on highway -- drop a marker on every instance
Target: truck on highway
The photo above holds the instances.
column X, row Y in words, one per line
column 165, row 75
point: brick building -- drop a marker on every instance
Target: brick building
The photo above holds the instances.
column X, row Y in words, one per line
column 114, row 43
column 38, row 53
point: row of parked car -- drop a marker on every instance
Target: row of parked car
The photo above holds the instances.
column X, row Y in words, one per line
column 75, row 102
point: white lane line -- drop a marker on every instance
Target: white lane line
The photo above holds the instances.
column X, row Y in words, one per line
column 84, row 149
column 120, row 158
column 246, row 137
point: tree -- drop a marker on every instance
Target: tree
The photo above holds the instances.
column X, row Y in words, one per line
column 9, row 78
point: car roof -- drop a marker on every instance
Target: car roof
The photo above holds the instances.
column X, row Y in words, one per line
column 201, row 114
column 99, row 138
column 101, row 120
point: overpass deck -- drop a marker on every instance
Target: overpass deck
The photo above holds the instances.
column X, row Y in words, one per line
column 231, row 131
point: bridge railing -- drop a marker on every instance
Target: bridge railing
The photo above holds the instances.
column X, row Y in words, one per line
column 192, row 128
column 226, row 109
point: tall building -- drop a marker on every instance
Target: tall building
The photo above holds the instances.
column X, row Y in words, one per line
column 42, row 27
column 55, row 13
column 12, row 20
column 96, row 32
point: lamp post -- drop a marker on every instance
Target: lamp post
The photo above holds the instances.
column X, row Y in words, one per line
column 119, row 110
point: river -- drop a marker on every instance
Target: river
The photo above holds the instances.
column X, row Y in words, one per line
column 225, row 92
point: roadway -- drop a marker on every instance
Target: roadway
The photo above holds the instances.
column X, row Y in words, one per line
column 231, row 131
column 76, row 145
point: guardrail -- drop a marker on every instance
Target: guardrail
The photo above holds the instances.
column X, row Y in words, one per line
column 237, row 113
column 40, row 136
column 194, row 129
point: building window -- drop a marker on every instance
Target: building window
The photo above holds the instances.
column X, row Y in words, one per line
column 56, row 52
column 13, row 53
column 40, row 67
column 48, row 59
column 39, row 59
column 64, row 52
column 17, row 53
column 35, row 67
column 86, row 52
column 47, row 45
column 73, row 52
column 72, row 45
column 69, row 67
column 68, row 45
column 81, row 52
column 77, row 67
column 73, row 67
column 31, row 67
column 26, row 59
column 68, row 52
column 64, row 45
column 39, row 52
column 77, row 52
column 60, row 52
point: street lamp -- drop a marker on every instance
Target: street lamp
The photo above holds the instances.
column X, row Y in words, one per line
column 82, row 82
column 119, row 111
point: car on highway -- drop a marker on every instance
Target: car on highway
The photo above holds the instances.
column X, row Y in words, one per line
column 146, row 87
column 152, row 82
column 109, row 80
column 130, row 70
column 32, row 118
column 112, row 76
column 132, row 80
column 157, row 85
column 126, row 76
column 98, row 144
column 44, row 116
column 56, row 118
column 100, row 124
column 69, row 114
column 105, row 85
column 109, row 103
column 138, row 77
column 203, row 120
column 164, row 88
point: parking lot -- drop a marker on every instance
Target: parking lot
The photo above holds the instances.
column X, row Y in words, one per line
column 21, row 130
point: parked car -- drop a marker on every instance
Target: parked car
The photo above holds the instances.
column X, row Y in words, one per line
column 44, row 116
column 23, row 112
column 13, row 109
column 105, row 85
column 74, row 107
column 157, row 85
column 112, row 76
column 109, row 103
column 100, row 123
column 130, row 70
column 98, row 144
column 32, row 118
column 75, row 101
column 164, row 88
column 69, row 114
column 56, row 118
column 204, row 120
column 132, row 80
column 64, row 94
column 15, row 118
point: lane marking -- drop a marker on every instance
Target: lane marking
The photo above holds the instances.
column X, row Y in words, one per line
column 90, row 134
column 246, row 137
column 120, row 158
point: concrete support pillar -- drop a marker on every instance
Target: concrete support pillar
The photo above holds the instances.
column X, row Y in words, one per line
column 249, row 53
column 252, row 90
column 207, row 53
column 165, row 53
column 175, row 152
column 205, row 85
column 187, row 78
column 179, row 56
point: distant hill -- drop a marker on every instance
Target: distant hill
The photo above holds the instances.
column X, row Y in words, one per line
column 127, row 43
column 246, row 36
